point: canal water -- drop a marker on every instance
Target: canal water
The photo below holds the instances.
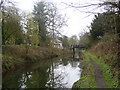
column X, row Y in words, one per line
column 52, row 73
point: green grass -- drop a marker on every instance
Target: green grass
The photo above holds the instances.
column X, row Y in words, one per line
column 110, row 80
column 87, row 79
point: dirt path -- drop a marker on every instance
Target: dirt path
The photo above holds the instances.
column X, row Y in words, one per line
column 98, row 75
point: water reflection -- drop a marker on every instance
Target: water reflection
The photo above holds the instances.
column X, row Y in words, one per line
column 46, row 74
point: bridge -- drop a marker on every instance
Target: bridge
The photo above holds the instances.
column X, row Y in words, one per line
column 74, row 47
column 77, row 46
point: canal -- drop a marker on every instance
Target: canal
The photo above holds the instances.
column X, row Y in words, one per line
column 52, row 73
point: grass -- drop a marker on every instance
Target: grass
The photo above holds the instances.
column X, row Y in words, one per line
column 110, row 80
column 87, row 79
column 106, row 54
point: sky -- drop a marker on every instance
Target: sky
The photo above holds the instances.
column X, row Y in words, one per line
column 77, row 21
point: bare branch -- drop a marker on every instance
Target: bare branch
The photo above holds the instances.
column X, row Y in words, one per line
column 82, row 6
column 114, row 5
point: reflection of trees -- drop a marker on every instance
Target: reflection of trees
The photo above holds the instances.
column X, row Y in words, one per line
column 44, row 75
column 41, row 75
column 38, row 79
column 23, row 79
column 55, row 79
column 11, row 80
column 76, row 54
column 35, row 79
column 65, row 61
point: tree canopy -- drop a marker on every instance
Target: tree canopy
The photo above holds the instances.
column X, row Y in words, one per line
column 11, row 26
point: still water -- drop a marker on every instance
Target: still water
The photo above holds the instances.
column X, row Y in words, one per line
column 55, row 73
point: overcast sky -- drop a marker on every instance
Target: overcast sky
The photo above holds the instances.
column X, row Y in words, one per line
column 77, row 21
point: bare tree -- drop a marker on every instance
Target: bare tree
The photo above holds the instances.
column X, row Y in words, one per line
column 56, row 21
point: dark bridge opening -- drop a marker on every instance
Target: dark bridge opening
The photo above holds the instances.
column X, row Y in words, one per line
column 74, row 47
column 77, row 46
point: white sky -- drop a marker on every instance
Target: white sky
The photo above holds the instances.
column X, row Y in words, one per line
column 77, row 21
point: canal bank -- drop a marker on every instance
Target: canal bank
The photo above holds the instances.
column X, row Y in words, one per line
column 16, row 56
column 51, row 73
column 96, row 73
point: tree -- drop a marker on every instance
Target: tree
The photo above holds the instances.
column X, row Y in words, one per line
column 31, row 27
column 102, row 24
column 65, row 42
column 40, row 16
column 55, row 20
column 48, row 19
column 114, row 8
column 73, row 40
column 11, row 27
column 111, row 6
column 85, row 40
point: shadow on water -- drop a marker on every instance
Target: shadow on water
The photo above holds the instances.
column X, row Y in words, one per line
column 53, row 73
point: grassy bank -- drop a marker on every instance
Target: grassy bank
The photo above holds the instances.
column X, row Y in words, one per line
column 111, row 80
column 105, row 53
column 88, row 78
column 15, row 56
